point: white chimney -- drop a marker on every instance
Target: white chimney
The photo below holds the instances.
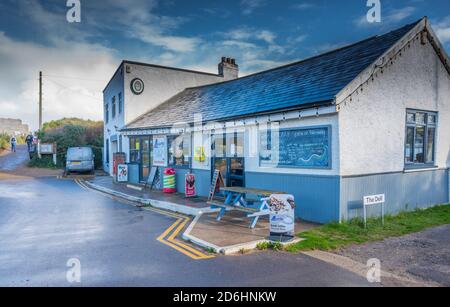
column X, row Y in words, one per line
column 228, row 69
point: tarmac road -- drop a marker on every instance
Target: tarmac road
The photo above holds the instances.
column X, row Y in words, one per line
column 45, row 222
column 11, row 161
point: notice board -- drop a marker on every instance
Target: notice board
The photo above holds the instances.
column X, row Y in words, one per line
column 297, row 148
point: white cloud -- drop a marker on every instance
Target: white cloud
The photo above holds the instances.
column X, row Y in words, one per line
column 303, row 6
column 389, row 18
column 442, row 29
column 65, row 98
column 246, row 33
column 249, row 6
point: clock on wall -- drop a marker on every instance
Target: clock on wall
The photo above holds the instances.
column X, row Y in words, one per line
column 137, row 86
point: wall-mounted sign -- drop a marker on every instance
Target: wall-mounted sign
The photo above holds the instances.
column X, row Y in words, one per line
column 200, row 155
column 296, row 148
column 122, row 173
column 160, row 151
column 282, row 215
column 137, row 86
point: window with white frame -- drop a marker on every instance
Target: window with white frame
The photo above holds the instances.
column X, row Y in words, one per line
column 179, row 150
column 420, row 137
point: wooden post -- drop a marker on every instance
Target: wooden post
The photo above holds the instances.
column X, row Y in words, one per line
column 40, row 100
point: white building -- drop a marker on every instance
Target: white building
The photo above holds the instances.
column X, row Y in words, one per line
column 122, row 104
column 369, row 118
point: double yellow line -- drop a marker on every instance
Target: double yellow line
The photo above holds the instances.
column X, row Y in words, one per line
column 169, row 236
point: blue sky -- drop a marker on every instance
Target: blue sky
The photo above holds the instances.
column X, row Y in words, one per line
column 78, row 59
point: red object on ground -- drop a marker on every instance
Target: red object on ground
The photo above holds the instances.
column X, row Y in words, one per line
column 190, row 186
column 169, row 181
column 118, row 158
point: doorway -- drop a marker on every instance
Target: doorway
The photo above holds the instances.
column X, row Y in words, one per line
column 228, row 157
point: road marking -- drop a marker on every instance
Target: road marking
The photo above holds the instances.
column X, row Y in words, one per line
column 168, row 237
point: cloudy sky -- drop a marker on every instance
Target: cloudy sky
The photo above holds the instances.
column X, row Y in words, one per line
column 78, row 59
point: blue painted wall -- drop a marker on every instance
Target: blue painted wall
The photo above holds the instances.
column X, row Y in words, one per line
column 316, row 197
column 133, row 173
column 202, row 182
column 404, row 191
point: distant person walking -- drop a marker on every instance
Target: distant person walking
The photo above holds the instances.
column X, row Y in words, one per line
column 29, row 141
column 13, row 142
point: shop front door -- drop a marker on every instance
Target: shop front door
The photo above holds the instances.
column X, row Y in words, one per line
column 228, row 157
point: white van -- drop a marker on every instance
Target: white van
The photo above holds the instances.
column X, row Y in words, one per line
column 80, row 159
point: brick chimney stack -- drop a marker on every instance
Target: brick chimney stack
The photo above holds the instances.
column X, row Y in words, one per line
column 228, row 69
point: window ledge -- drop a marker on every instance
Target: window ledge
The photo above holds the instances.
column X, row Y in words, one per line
column 419, row 168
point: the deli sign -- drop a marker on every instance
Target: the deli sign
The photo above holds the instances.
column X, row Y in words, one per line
column 374, row 199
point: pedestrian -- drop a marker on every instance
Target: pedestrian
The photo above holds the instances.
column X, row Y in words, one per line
column 13, row 142
column 29, row 141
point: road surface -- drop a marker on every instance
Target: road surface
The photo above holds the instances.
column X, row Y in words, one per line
column 11, row 161
column 45, row 222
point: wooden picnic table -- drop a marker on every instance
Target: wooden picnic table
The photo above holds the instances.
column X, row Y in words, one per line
column 235, row 198
column 242, row 190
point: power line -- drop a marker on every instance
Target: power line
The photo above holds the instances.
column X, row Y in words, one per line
column 75, row 78
column 66, row 87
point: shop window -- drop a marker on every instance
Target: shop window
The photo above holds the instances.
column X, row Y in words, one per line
column 230, row 145
column 420, row 138
column 179, row 150
column 135, row 150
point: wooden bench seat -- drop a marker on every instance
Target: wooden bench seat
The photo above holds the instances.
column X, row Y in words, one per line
column 238, row 208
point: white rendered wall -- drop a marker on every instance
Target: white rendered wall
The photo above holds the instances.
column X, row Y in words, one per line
column 111, row 128
column 160, row 85
column 372, row 126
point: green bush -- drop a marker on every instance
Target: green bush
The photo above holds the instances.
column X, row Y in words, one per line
column 44, row 162
column 4, row 141
column 276, row 246
column 73, row 133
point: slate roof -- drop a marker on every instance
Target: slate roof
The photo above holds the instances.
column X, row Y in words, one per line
column 311, row 82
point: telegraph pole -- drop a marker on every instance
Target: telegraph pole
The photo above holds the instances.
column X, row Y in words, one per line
column 40, row 100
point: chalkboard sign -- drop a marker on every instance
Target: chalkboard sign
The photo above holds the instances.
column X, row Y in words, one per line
column 216, row 183
column 151, row 178
column 301, row 148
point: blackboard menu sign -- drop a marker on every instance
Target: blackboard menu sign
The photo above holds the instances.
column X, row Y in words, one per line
column 151, row 178
column 296, row 148
column 216, row 183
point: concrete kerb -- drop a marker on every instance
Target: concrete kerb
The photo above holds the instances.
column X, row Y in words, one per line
column 164, row 205
column 196, row 212
column 226, row 250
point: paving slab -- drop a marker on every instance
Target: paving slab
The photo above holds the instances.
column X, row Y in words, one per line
column 172, row 202
column 233, row 232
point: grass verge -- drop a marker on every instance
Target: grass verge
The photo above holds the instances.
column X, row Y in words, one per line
column 334, row 236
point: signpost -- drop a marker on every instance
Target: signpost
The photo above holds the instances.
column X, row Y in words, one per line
column 122, row 173
column 371, row 201
column 47, row 149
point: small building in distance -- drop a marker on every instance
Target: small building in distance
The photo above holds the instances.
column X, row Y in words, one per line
column 12, row 126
